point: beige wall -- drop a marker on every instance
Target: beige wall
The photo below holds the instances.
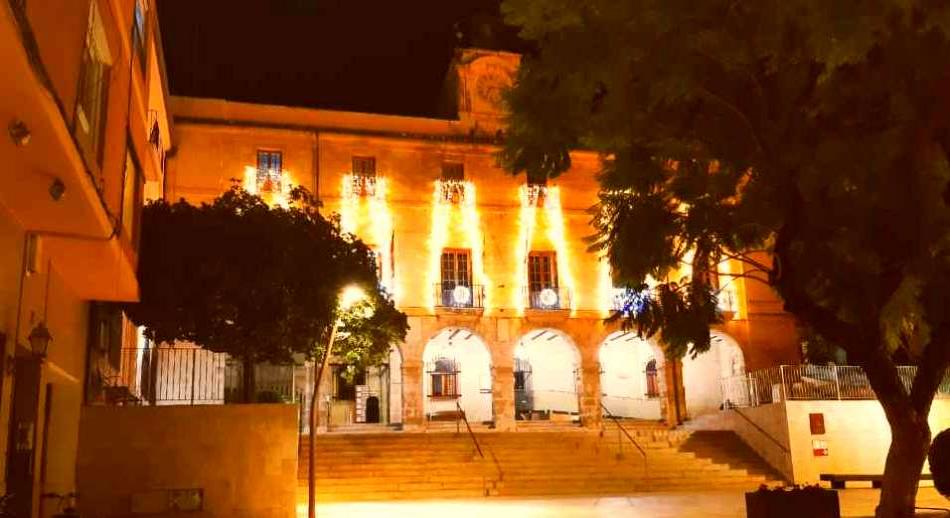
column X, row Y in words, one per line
column 244, row 457
column 856, row 433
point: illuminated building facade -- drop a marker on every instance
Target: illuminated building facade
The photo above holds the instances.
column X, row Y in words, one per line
column 505, row 303
column 85, row 136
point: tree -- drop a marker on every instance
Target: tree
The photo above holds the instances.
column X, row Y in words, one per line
column 260, row 283
column 806, row 139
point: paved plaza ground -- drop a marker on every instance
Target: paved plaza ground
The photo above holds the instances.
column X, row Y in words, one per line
column 854, row 503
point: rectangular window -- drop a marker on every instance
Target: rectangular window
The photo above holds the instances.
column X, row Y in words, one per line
column 364, row 166
column 92, row 93
column 269, row 170
column 542, row 271
column 445, row 385
column 453, row 171
column 456, row 268
column 138, row 32
column 132, row 198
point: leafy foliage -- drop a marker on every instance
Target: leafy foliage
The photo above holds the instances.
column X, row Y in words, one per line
column 807, row 139
column 257, row 282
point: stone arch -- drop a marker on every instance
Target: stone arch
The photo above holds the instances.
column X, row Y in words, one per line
column 628, row 388
column 468, row 386
column 703, row 376
column 547, row 375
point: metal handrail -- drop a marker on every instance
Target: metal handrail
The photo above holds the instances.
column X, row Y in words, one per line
column 620, row 427
column 762, row 431
column 461, row 414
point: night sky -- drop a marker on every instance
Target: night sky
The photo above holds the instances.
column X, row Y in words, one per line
column 379, row 56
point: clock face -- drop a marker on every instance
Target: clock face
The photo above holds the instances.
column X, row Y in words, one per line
column 491, row 83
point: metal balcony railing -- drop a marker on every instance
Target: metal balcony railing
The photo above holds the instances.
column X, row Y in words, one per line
column 459, row 296
column 549, row 298
column 808, row 383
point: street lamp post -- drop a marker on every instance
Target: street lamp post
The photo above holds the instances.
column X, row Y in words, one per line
column 348, row 297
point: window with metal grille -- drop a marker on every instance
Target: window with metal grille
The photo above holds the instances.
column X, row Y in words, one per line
column 542, row 271
column 269, row 170
column 653, row 385
column 90, row 116
column 444, row 378
column 453, row 171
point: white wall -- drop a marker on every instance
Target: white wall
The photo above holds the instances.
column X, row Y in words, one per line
column 702, row 376
column 474, row 378
column 554, row 370
column 856, row 433
column 623, row 383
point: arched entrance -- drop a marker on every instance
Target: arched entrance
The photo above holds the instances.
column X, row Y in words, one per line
column 547, row 374
column 630, row 371
column 703, row 375
column 457, row 371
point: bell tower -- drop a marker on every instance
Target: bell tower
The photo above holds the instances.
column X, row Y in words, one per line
column 481, row 77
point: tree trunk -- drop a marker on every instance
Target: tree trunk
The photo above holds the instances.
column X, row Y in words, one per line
column 312, row 455
column 247, row 369
column 910, row 440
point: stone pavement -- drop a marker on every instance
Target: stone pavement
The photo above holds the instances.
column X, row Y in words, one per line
column 712, row 504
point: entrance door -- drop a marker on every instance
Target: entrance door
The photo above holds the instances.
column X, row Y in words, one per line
column 22, row 447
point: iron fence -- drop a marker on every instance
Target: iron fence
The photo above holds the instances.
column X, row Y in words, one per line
column 191, row 375
column 808, row 383
column 549, row 298
column 460, row 296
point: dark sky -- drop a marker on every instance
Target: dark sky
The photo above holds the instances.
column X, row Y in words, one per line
column 380, row 56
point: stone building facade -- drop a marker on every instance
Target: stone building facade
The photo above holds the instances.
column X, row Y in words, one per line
column 506, row 304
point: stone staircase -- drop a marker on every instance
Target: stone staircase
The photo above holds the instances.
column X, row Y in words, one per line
column 550, row 461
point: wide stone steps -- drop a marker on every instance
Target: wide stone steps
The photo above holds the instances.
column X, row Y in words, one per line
column 550, row 461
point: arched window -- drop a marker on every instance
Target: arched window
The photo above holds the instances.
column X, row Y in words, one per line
column 444, row 375
column 653, row 386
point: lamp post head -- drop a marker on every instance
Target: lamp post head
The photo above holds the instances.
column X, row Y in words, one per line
column 40, row 338
column 350, row 296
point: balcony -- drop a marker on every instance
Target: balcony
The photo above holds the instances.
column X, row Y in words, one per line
column 458, row 296
column 363, row 185
column 452, row 191
column 552, row 298
column 535, row 194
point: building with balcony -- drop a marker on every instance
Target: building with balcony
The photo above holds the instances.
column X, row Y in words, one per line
column 506, row 304
column 83, row 108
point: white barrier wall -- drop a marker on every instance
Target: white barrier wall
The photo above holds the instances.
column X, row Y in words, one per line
column 856, row 436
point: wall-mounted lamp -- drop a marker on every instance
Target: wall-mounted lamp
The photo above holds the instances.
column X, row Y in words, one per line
column 57, row 189
column 19, row 133
column 40, row 338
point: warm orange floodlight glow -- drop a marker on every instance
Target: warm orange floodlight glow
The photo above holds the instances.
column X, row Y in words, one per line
column 350, row 296
column 556, row 234
column 438, row 235
column 473, row 233
column 526, row 221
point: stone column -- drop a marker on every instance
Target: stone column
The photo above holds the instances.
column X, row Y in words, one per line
column 413, row 411
column 591, row 414
column 503, row 396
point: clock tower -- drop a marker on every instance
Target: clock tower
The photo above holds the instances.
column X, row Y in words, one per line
column 481, row 79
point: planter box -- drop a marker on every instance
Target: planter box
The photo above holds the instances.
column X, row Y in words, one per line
column 814, row 503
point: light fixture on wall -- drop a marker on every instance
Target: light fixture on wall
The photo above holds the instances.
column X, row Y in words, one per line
column 57, row 189
column 40, row 338
column 19, row 132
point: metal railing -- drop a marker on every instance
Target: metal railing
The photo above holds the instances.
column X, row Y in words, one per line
column 550, row 298
column 808, row 383
column 189, row 375
column 621, row 433
column 460, row 296
column 460, row 416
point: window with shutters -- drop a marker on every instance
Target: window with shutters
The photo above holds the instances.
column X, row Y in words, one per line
column 452, row 183
column 653, row 385
column 138, row 32
column 542, row 271
column 92, row 93
column 444, row 378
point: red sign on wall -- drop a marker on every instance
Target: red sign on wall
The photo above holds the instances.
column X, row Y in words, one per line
column 819, row 448
column 817, row 423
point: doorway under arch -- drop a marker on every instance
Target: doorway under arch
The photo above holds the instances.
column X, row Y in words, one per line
column 547, row 376
column 630, row 371
column 457, row 372
column 703, row 375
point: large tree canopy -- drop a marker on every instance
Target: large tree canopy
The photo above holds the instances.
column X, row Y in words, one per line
column 258, row 282
column 807, row 139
